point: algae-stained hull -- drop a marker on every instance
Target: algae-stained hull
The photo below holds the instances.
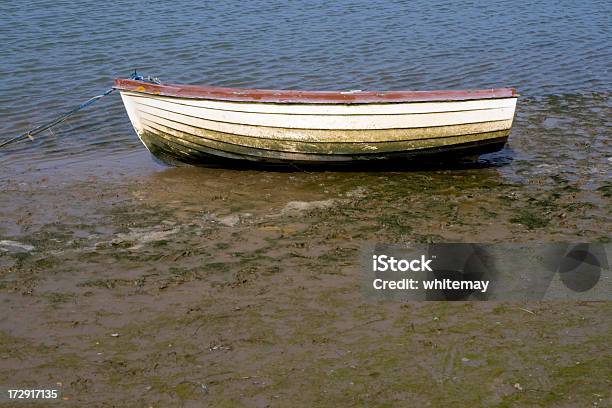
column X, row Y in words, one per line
column 201, row 125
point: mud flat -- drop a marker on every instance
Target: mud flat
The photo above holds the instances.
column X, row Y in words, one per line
column 152, row 286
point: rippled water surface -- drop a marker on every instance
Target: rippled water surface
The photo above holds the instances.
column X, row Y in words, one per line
column 56, row 54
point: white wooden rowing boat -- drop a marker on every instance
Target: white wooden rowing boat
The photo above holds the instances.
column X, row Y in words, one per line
column 203, row 125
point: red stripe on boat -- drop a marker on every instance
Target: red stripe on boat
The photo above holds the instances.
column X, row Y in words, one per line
column 288, row 96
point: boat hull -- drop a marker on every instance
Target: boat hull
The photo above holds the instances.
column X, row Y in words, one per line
column 200, row 130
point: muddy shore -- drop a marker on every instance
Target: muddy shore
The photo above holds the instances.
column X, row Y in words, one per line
column 144, row 285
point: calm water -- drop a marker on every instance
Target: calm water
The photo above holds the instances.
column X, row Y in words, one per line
column 55, row 54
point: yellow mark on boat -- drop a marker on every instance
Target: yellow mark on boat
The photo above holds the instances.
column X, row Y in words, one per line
column 140, row 89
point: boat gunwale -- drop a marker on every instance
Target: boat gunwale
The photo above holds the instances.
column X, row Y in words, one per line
column 308, row 97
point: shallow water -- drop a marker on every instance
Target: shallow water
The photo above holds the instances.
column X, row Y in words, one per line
column 52, row 57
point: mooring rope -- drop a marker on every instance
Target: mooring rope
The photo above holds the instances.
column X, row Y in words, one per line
column 31, row 133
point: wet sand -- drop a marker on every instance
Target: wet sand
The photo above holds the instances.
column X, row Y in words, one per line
column 134, row 284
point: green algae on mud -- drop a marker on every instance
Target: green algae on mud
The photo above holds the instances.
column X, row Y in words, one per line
column 266, row 309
